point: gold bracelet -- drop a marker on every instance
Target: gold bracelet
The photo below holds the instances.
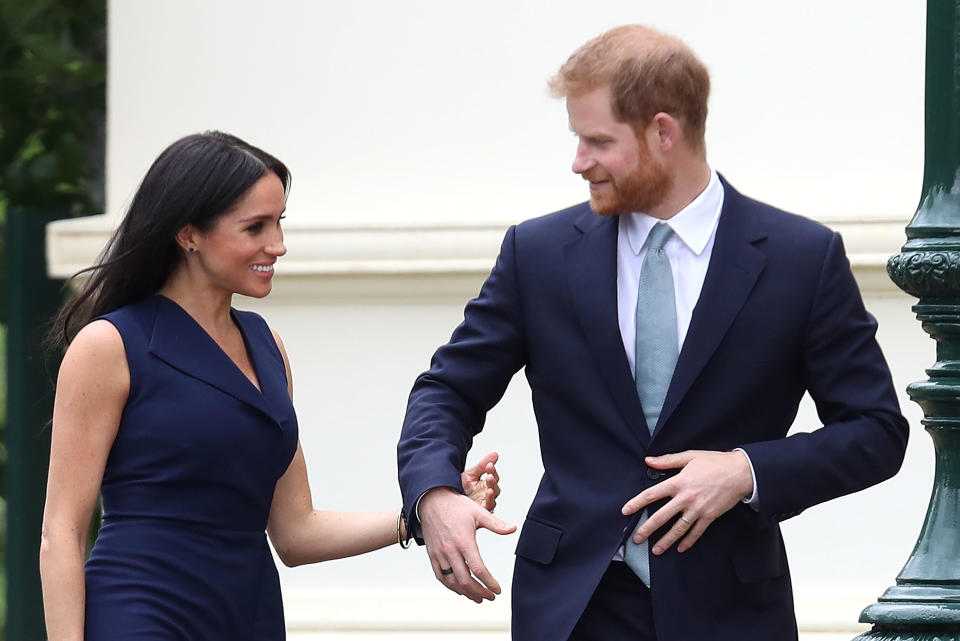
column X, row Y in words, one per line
column 404, row 543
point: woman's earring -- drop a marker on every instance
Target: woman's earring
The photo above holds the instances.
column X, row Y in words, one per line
column 192, row 249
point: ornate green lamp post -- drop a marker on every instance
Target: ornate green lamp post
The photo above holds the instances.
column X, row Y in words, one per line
column 924, row 605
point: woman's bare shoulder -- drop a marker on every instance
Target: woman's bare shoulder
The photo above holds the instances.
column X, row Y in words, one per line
column 97, row 351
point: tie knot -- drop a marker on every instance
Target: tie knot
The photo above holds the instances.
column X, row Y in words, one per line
column 659, row 235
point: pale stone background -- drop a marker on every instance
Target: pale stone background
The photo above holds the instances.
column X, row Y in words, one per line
column 416, row 132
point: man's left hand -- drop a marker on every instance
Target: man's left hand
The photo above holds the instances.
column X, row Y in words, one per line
column 708, row 484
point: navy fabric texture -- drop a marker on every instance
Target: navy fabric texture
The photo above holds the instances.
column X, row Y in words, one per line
column 779, row 315
column 183, row 554
column 619, row 609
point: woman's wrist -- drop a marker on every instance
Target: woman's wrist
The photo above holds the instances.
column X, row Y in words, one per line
column 403, row 536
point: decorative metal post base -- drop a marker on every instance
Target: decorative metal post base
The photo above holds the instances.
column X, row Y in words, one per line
column 890, row 634
column 925, row 602
column 924, row 605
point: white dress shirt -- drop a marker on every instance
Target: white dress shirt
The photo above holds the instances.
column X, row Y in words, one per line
column 688, row 249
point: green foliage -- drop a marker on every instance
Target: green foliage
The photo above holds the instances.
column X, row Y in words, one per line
column 52, row 124
column 53, row 81
column 52, row 107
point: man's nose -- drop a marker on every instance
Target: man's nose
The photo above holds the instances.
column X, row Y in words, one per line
column 582, row 161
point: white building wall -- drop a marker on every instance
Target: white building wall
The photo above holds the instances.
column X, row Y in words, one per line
column 417, row 131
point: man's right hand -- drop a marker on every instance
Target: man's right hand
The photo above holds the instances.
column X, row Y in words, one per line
column 450, row 521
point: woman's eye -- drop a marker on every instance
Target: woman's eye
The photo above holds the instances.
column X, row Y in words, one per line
column 255, row 228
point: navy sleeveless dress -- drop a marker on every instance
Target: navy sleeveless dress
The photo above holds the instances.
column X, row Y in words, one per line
column 183, row 554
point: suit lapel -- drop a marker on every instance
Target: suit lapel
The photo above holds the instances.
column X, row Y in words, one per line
column 735, row 265
column 180, row 342
column 591, row 261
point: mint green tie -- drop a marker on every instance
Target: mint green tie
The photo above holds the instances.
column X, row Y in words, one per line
column 657, row 348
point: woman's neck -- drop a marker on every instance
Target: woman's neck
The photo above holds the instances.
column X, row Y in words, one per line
column 210, row 309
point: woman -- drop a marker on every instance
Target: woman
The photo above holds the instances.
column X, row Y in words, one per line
column 177, row 409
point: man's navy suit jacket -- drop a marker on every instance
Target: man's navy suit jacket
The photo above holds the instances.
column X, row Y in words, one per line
column 779, row 315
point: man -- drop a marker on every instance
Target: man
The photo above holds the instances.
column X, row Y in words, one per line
column 668, row 330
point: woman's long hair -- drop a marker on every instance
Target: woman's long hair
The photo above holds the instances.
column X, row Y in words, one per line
column 194, row 181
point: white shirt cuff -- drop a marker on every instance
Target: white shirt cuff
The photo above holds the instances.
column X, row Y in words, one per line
column 754, row 499
column 416, row 508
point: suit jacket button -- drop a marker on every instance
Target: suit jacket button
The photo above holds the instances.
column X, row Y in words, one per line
column 652, row 474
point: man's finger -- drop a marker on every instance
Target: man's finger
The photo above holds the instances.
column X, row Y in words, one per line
column 657, row 520
column 441, row 569
column 679, row 528
column 662, row 490
column 476, row 565
column 467, row 585
column 455, row 576
column 671, row 461
column 464, row 569
column 495, row 524
column 699, row 527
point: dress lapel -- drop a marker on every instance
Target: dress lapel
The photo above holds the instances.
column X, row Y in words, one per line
column 591, row 261
column 178, row 340
column 735, row 265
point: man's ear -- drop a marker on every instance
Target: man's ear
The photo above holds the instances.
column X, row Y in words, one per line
column 664, row 132
column 187, row 238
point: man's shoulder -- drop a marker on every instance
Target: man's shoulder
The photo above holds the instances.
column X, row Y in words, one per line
column 551, row 233
column 555, row 230
column 561, row 219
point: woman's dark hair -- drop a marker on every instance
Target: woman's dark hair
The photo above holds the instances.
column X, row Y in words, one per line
column 195, row 180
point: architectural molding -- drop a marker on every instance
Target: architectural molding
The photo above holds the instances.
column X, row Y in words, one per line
column 835, row 610
column 430, row 260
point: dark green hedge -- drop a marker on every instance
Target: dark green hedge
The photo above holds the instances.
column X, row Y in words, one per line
column 52, row 123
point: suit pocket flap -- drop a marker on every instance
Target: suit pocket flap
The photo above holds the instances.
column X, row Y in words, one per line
column 538, row 541
column 760, row 558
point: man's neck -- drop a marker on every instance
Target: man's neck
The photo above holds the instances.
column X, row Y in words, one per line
column 688, row 183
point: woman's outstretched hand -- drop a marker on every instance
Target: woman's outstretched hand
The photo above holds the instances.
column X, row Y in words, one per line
column 481, row 482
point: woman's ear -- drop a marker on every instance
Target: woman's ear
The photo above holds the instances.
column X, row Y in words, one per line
column 187, row 238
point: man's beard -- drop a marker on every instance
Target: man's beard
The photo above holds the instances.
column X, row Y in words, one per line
column 642, row 190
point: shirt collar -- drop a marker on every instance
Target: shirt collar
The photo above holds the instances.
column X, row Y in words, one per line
column 694, row 224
